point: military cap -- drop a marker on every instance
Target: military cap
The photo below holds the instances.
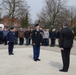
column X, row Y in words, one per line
column 36, row 25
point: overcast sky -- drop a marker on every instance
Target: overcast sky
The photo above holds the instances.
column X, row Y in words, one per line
column 36, row 6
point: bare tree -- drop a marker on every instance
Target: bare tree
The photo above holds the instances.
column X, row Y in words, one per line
column 52, row 10
column 15, row 8
column 72, row 15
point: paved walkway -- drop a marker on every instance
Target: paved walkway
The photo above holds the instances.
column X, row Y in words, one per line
column 21, row 63
column 55, row 49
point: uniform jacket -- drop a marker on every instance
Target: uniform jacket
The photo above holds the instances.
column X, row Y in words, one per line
column 66, row 38
column 11, row 37
column 36, row 37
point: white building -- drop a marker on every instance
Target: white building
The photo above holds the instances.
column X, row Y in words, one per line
column 1, row 26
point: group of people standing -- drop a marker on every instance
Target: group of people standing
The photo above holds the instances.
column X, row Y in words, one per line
column 65, row 36
column 41, row 37
column 24, row 36
column 20, row 35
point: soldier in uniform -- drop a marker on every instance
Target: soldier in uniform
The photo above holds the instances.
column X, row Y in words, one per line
column 11, row 39
column 66, row 42
column 36, row 41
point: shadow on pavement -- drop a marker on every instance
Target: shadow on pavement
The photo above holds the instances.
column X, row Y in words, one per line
column 56, row 64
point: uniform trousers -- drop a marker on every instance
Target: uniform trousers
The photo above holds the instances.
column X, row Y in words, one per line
column 36, row 52
column 66, row 58
column 10, row 47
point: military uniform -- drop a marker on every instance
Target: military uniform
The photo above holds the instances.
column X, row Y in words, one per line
column 36, row 40
column 66, row 42
column 11, row 39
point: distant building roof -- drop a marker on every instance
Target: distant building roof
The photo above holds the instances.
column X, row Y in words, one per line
column 7, row 21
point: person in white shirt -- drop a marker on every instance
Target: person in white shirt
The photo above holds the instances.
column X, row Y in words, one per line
column 46, row 37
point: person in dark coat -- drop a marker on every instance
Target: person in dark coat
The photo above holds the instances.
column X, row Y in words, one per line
column 11, row 39
column 66, row 42
column 27, row 35
column 53, row 36
column 36, row 41
column 16, row 36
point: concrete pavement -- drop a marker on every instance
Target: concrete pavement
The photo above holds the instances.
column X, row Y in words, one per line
column 55, row 49
column 21, row 63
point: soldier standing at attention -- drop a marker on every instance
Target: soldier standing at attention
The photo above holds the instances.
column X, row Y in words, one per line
column 66, row 43
column 11, row 39
column 36, row 41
